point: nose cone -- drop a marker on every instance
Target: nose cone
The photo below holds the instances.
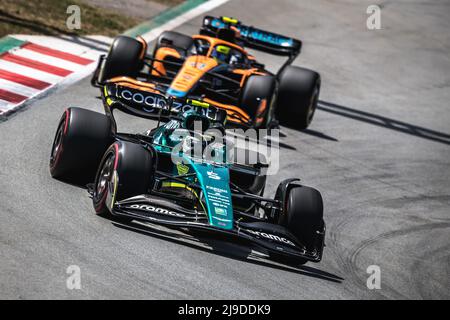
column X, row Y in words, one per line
column 190, row 73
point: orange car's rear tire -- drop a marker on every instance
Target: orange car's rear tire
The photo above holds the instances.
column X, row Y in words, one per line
column 181, row 43
column 297, row 98
column 174, row 39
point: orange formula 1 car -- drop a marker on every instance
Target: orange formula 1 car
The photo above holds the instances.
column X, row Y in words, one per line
column 215, row 67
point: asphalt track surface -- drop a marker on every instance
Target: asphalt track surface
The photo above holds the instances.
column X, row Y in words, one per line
column 378, row 150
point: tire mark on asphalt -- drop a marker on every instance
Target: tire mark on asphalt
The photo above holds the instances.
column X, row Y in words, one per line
column 421, row 268
column 350, row 264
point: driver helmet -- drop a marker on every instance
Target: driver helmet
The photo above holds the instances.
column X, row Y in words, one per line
column 192, row 120
column 221, row 53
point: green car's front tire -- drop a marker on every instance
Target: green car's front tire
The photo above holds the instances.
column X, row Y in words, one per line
column 125, row 171
column 80, row 141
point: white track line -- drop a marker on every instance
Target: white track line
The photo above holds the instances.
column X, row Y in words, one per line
column 4, row 105
column 29, row 72
column 18, row 88
column 43, row 58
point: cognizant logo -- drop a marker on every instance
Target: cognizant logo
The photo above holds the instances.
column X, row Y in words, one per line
column 152, row 101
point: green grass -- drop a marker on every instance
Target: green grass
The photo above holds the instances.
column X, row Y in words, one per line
column 48, row 17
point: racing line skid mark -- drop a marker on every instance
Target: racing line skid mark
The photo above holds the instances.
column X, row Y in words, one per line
column 37, row 64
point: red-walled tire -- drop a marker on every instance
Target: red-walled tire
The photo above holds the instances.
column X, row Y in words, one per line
column 125, row 171
column 80, row 141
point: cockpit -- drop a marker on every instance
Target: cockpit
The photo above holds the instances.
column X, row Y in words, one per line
column 226, row 54
column 221, row 52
